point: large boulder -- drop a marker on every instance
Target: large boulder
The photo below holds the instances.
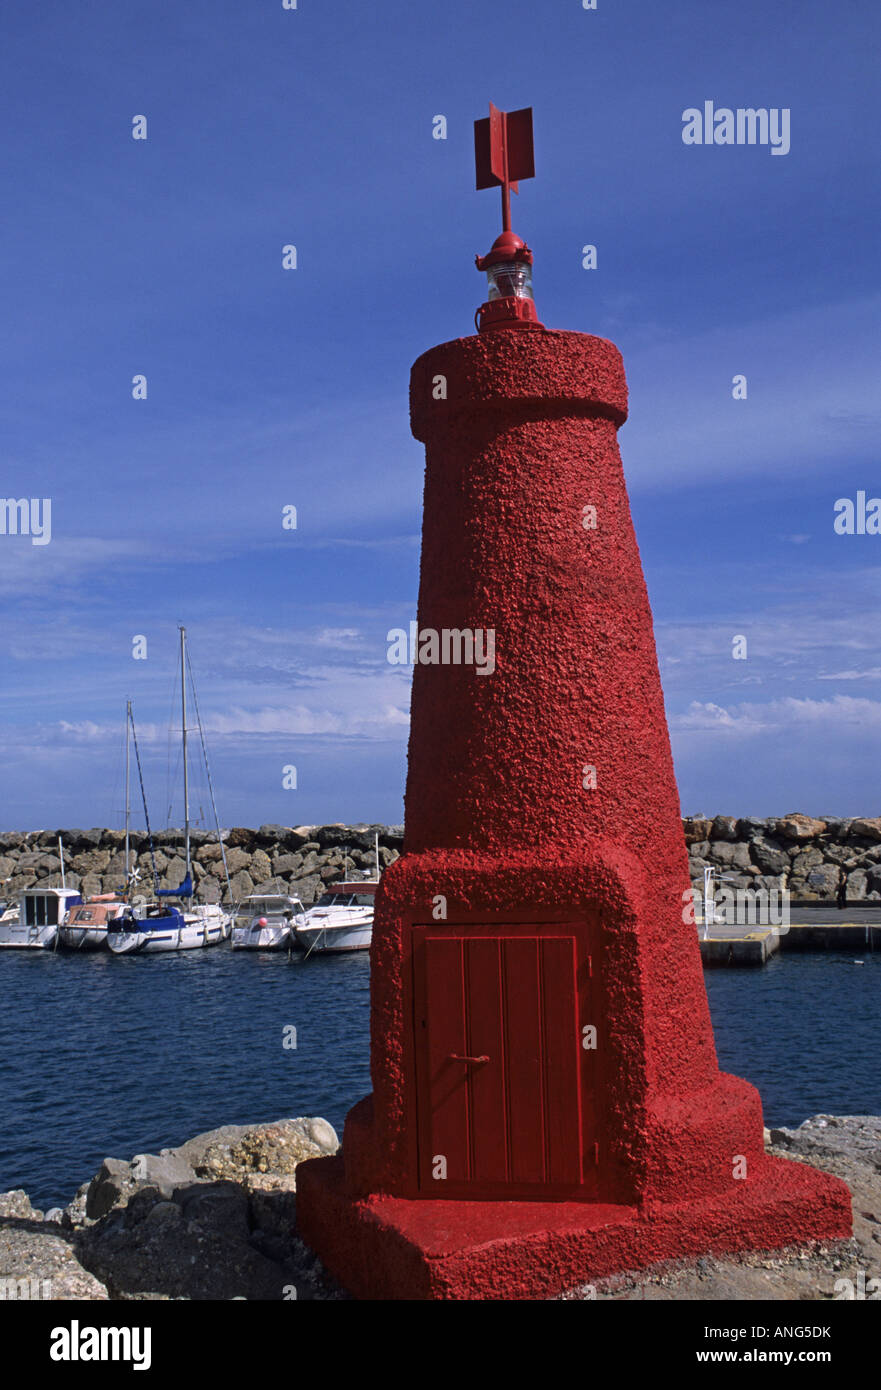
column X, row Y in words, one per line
column 237, row 859
column 748, row 827
column 730, row 855
column 93, row 861
column 112, row 1183
column 239, row 837
column 307, row 888
column 170, row 838
column 212, row 1219
column 241, row 886
column 285, row 864
column 857, row 885
column 238, row 1151
column 821, row 879
column 770, row 857
column 260, row 867
column 724, row 828
column 335, row 836
column 866, row 828
column 806, row 860
column 271, row 835
column 211, row 889
column 175, row 872
column 795, row 826
column 695, row 829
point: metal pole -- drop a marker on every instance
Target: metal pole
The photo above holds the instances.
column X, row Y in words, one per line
column 183, row 706
column 128, row 806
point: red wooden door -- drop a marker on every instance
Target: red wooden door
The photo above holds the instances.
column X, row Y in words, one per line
column 498, row 1061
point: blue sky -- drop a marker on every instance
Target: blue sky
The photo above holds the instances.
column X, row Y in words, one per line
column 269, row 387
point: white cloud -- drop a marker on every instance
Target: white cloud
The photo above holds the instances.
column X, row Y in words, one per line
column 789, row 715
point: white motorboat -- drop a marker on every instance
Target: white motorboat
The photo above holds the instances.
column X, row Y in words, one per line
column 41, row 911
column 341, row 920
column 266, row 922
column 9, row 912
column 87, row 923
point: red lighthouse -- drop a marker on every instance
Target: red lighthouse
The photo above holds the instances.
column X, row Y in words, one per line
column 547, row 1105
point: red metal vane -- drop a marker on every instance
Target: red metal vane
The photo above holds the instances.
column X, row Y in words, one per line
column 503, row 154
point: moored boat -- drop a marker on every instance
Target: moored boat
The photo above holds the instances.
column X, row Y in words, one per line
column 166, row 928
column 266, row 922
column 160, row 926
column 87, row 923
column 341, row 920
column 41, row 912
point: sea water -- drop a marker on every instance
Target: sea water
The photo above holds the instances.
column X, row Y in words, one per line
column 103, row 1055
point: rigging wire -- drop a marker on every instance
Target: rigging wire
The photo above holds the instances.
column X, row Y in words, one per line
column 208, row 773
column 144, row 800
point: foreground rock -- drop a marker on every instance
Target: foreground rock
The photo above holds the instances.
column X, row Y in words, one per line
column 850, row 1147
column 37, row 1256
column 215, row 1219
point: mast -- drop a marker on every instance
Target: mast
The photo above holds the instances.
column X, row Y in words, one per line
column 128, row 806
column 183, row 706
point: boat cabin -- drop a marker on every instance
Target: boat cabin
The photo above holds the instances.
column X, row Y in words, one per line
column 46, row 907
column 97, row 912
column 356, row 894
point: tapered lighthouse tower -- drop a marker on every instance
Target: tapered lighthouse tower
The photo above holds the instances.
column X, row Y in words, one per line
column 547, row 1106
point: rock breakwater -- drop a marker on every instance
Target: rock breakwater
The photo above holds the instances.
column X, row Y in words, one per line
column 298, row 859
column 807, row 855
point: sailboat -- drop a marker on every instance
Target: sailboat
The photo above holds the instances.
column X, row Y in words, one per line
column 164, row 926
column 87, row 923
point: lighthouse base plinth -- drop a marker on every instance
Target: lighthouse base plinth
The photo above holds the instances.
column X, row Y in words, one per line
column 384, row 1247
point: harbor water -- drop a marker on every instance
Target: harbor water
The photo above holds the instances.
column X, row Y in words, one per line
column 102, row 1055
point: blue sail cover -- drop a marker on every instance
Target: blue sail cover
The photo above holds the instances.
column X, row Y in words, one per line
column 172, row 920
column 184, row 891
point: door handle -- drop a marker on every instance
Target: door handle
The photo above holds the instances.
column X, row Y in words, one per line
column 454, row 1057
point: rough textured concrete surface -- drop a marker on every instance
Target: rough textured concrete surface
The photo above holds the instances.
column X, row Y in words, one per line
column 540, row 892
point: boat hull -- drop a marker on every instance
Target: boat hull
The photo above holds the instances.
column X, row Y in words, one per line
column 318, row 940
column 179, row 932
column 264, row 939
column 83, row 938
column 17, row 936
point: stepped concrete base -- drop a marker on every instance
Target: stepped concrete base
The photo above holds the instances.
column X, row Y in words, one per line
column 393, row 1248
